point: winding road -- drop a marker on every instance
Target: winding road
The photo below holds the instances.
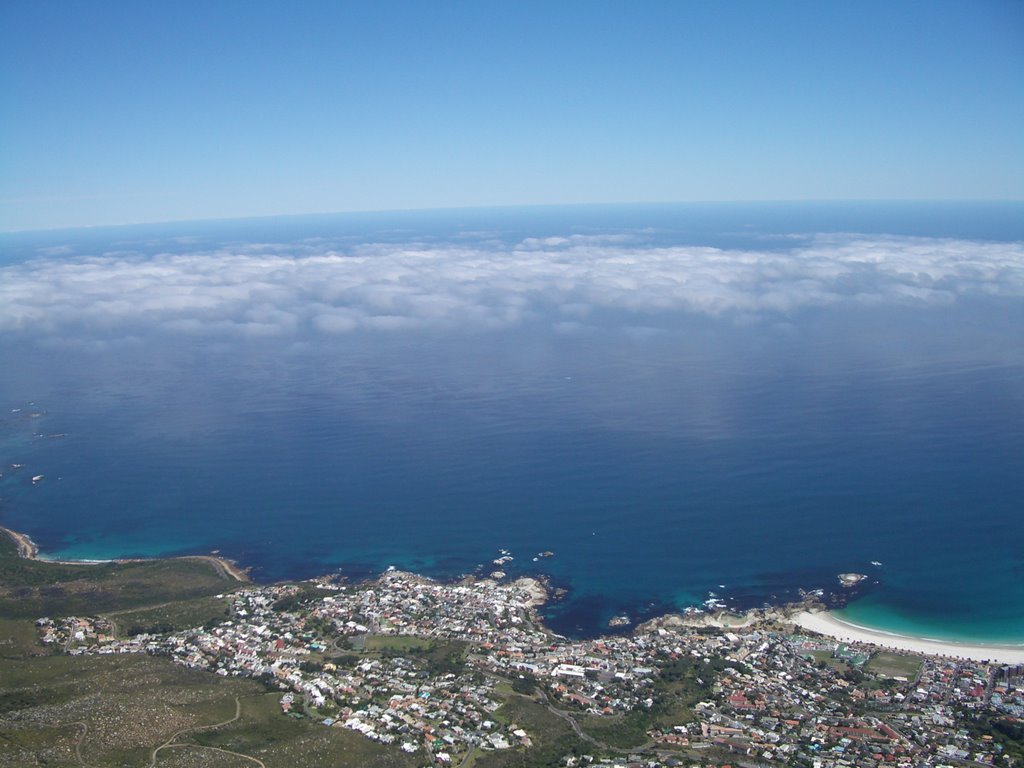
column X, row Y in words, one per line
column 169, row 744
column 79, row 740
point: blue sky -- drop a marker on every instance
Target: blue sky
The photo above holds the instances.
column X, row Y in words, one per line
column 131, row 112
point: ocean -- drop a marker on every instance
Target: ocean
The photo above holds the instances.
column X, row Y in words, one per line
column 730, row 402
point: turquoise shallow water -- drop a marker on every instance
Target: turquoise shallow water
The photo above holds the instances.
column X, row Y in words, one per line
column 988, row 615
column 966, row 627
column 662, row 457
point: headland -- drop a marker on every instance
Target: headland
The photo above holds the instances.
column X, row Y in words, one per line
column 29, row 550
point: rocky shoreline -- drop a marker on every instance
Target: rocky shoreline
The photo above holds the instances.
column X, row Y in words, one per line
column 812, row 613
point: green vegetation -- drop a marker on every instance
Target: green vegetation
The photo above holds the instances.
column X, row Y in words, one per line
column 18, row 639
column 438, row 657
column 403, row 644
column 525, row 684
column 118, row 709
column 262, row 732
column 59, row 710
column 621, row 731
column 171, row 617
column 113, row 710
column 682, row 683
column 1004, row 730
column 826, row 659
column 552, row 737
column 305, row 594
column 33, row 588
column 888, row 664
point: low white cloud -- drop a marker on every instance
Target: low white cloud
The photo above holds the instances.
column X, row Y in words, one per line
column 274, row 290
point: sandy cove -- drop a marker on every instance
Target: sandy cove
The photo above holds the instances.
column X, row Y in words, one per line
column 826, row 623
column 29, row 550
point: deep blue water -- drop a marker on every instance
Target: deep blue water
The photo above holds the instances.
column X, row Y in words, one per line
column 764, row 455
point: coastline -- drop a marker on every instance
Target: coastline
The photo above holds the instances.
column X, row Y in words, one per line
column 29, row 550
column 818, row 620
column 826, row 623
column 24, row 544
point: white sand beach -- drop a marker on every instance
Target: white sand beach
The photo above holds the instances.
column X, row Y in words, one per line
column 828, row 624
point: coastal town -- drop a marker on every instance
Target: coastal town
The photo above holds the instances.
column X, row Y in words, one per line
column 425, row 667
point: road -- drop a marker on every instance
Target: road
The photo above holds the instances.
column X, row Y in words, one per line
column 170, row 743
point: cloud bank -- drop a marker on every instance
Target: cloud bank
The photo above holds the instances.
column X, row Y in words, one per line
column 277, row 290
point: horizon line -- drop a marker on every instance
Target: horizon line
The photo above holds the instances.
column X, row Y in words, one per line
column 508, row 206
